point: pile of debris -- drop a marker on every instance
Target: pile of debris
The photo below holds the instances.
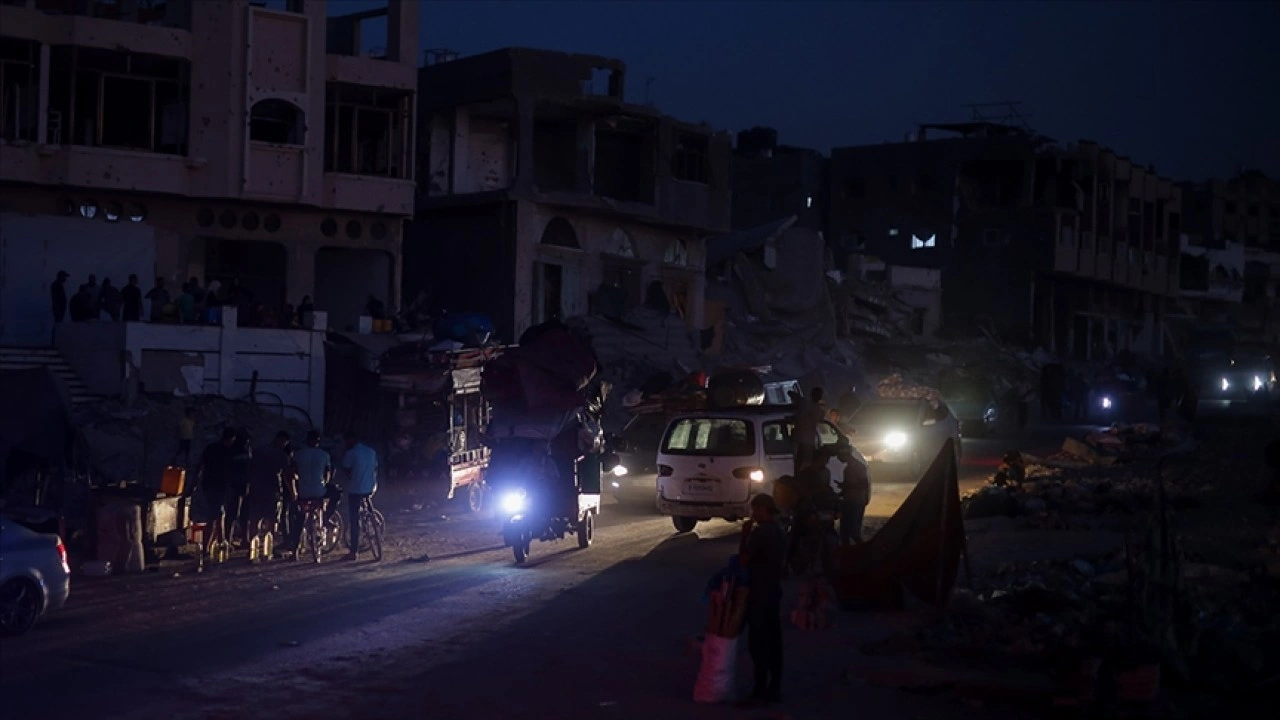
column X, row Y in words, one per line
column 135, row 442
column 1120, row 443
column 894, row 386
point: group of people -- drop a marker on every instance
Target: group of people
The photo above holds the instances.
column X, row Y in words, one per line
column 257, row 491
column 192, row 304
column 767, row 548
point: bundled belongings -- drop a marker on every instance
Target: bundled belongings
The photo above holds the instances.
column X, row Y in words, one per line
column 894, row 386
column 548, row 370
column 727, row 593
column 735, row 388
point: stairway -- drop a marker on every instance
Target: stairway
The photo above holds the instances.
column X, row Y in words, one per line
column 22, row 358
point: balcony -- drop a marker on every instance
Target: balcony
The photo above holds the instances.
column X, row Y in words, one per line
column 157, row 30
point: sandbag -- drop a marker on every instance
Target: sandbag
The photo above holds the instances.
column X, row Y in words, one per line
column 718, row 672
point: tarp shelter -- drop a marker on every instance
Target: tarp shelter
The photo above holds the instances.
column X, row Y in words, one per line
column 917, row 551
column 37, row 425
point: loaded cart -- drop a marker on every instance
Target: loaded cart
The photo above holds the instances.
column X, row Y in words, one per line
column 440, row 416
column 548, row 447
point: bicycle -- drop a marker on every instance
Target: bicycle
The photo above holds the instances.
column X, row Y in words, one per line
column 372, row 526
column 320, row 534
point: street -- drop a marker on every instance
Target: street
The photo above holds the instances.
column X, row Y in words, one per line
column 608, row 632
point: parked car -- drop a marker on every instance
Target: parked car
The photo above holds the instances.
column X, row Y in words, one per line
column 973, row 402
column 638, row 454
column 901, row 437
column 711, row 464
column 34, row 576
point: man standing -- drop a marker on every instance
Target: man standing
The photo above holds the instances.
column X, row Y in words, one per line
column 159, row 297
column 131, row 296
column 110, row 300
column 855, row 495
column 58, row 296
column 214, row 483
column 808, row 414
column 762, row 552
column 314, row 469
column 361, row 464
column 82, row 305
column 95, row 297
column 268, row 473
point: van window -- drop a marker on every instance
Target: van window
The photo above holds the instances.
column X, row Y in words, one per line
column 779, row 437
column 827, row 434
column 726, row 437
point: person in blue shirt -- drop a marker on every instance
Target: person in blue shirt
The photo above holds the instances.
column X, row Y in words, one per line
column 361, row 465
column 314, row 469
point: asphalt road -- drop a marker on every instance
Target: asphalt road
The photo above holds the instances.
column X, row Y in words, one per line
column 606, row 632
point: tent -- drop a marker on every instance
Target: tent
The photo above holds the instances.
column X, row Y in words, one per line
column 917, row 551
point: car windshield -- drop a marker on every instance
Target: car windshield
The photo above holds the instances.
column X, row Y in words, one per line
column 725, row 437
column 885, row 414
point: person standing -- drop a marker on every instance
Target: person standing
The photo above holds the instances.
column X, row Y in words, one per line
column 186, row 434
column 269, row 472
column 95, row 294
column 58, row 296
column 762, row 551
column 361, row 465
column 213, row 479
column 187, row 305
column 82, row 305
column 131, row 299
column 159, row 297
column 110, row 300
column 855, row 495
column 809, row 413
column 315, row 468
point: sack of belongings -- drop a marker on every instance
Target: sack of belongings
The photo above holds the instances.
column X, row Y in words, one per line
column 727, row 594
column 735, row 388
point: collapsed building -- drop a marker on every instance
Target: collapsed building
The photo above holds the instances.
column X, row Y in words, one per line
column 544, row 194
column 1074, row 249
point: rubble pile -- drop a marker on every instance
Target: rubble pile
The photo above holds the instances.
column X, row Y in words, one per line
column 894, row 386
column 136, row 442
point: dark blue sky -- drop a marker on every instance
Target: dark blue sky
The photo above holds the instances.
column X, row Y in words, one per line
column 1193, row 88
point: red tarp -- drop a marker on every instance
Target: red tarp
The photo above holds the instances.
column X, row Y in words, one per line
column 918, row 550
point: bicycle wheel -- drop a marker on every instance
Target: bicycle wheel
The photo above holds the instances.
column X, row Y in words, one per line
column 335, row 532
column 315, row 535
column 371, row 528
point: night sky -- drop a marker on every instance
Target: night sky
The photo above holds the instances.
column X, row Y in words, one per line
column 1193, row 88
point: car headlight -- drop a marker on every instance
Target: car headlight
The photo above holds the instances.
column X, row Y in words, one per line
column 513, row 503
column 619, row 470
column 1106, row 402
column 895, row 440
column 1257, row 383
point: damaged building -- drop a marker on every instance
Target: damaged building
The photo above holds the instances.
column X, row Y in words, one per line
column 1072, row 248
column 1231, row 255
column 772, row 182
column 544, row 194
column 257, row 141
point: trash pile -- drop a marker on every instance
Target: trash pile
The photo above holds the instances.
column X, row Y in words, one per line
column 1119, row 443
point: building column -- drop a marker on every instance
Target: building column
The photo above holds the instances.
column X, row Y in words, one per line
column 458, row 181
column 402, row 31
column 524, row 146
column 42, row 104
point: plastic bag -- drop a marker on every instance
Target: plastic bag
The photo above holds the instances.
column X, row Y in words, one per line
column 717, row 675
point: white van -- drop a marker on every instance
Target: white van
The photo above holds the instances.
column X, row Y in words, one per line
column 711, row 463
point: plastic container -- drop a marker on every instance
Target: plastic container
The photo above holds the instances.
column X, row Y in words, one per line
column 173, row 481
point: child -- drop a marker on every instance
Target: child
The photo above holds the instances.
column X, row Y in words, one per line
column 186, row 433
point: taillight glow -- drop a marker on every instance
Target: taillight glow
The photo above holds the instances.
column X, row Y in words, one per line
column 62, row 555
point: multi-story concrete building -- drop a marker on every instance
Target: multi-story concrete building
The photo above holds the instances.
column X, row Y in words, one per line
column 1231, row 255
column 219, row 140
column 540, row 185
column 1073, row 248
column 772, row 181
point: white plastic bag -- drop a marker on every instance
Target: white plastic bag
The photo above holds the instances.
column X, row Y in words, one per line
column 716, row 677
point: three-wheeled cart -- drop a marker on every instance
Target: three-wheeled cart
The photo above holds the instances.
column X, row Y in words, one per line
column 440, row 418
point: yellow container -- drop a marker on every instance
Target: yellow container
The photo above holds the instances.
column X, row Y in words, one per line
column 173, row 481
